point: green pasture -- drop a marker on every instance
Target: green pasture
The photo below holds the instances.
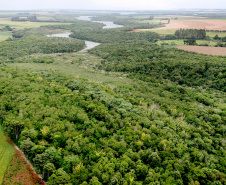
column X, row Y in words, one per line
column 4, row 35
column 150, row 21
column 6, row 154
column 164, row 32
column 22, row 25
column 213, row 33
column 181, row 42
column 78, row 65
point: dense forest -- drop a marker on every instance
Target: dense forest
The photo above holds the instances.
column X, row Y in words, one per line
column 150, row 62
column 15, row 48
column 161, row 121
column 190, row 34
column 127, row 21
column 81, row 132
column 114, row 35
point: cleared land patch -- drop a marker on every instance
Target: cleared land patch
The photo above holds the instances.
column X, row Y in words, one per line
column 205, row 50
column 20, row 172
column 4, row 35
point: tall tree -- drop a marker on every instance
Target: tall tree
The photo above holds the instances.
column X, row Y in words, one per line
column 14, row 125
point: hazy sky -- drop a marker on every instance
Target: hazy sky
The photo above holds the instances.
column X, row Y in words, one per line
column 111, row 4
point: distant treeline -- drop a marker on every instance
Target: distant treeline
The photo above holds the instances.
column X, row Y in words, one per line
column 215, row 30
column 76, row 26
column 127, row 21
column 190, row 34
column 114, row 35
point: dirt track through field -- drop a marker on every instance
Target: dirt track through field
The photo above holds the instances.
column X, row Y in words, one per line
column 205, row 50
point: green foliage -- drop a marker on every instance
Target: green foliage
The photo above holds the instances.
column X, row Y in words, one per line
column 79, row 25
column 128, row 21
column 30, row 45
column 59, row 177
column 190, row 34
column 114, row 35
column 26, row 145
column 46, row 60
column 190, row 42
column 167, row 134
column 160, row 121
column 13, row 126
column 7, row 28
column 32, row 31
column 150, row 62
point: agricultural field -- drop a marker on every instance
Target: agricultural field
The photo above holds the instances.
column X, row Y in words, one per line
column 168, row 32
column 195, row 24
column 6, row 154
column 213, row 34
column 181, row 42
column 205, row 50
column 26, row 24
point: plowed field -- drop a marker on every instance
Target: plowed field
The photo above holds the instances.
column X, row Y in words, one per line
column 195, row 24
column 205, row 50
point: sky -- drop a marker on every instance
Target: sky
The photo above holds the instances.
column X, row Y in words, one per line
column 111, row 4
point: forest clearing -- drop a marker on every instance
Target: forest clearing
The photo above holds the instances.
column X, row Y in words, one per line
column 19, row 171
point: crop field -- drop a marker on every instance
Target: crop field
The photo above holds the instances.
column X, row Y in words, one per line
column 205, row 50
column 22, row 25
column 6, row 154
column 212, row 34
column 195, row 24
column 178, row 17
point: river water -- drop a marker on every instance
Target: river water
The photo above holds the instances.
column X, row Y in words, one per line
column 108, row 24
column 89, row 44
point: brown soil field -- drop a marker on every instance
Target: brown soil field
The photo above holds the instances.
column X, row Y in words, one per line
column 205, row 50
column 20, row 171
column 195, row 24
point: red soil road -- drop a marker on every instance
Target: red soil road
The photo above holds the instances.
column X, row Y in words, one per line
column 221, row 51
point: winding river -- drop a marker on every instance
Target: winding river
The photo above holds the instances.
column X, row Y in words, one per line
column 89, row 44
column 108, row 24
